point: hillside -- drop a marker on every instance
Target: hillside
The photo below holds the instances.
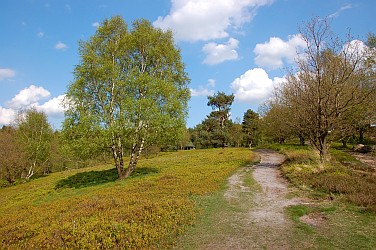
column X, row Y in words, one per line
column 88, row 208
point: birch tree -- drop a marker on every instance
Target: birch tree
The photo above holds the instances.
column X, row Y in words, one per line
column 35, row 134
column 130, row 88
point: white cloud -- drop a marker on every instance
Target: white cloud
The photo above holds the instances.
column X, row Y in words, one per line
column 6, row 115
column 7, row 73
column 355, row 47
column 61, row 46
column 193, row 20
column 28, row 96
column 273, row 53
column 204, row 91
column 254, row 86
column 218, row 53
column 338, row 12
column 95, row 24
column 31, row 97
column 201, row 91
column 53, row 107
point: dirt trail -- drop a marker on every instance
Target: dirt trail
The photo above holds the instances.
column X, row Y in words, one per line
column 367, row 159
column 258, row 218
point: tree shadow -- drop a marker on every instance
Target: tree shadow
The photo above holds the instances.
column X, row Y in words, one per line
column 94, row 178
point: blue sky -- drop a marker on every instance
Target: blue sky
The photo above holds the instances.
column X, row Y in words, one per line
column 235, row 46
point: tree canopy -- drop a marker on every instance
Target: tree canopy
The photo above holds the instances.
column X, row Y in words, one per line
column 332, row 79
column 35, row 135
column 130, row 88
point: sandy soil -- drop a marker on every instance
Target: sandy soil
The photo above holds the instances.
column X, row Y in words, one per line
column 258, row 220
column 367, row 159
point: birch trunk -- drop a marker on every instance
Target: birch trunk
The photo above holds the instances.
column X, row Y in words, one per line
column 135, row 155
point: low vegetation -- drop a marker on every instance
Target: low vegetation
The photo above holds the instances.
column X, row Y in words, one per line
column 345, row 177
column 80, row 209
column 341, row 210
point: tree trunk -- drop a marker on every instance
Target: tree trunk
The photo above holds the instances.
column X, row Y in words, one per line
column 361, row 136
column 117, row 153
column 302, row 140
column 135, row 155
column 344, row 143
column 323, row 149
column 31, row 171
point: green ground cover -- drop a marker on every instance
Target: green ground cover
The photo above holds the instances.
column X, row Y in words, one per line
column 342, row 200
column 89, row 209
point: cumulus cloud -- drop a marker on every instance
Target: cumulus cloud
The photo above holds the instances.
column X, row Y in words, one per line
column 193, row 20
column 275, row 52
column 61, row 46
column 204, row 90
column 28, row 96
column 254, row 86
column 6, row 115
column 53, row 107
column 7, row 73
column 218, row 53
column 32, row 97
column 355, row 47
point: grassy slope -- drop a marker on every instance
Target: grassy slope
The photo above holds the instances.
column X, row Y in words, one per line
column 87, row 208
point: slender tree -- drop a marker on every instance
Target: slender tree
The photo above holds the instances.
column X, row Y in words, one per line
column 130, row 89
column 35, row 135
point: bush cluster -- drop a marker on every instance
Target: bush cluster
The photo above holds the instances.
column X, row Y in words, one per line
column 146, row 211
column 302, row 168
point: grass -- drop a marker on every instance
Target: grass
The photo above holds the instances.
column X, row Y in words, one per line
column 88, row 209
column 344, row 197
column 219, row 217
column 343, row 226
column 344, row 177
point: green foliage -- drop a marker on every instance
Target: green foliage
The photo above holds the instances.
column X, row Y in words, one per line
column 215, row 130
column 335, row 226
column 130, row 91
column 35, row 135
column 76, row 209
column 250, row 125
column 330, row 94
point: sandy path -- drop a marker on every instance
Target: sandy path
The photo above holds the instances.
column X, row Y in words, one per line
column 258, row 218
column 268, row 216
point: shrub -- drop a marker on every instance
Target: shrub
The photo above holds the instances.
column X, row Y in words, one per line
column 302, row 169
column 147, row 211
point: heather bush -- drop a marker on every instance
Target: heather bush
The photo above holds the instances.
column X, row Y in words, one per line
column 344, row 176
column 88, row 209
